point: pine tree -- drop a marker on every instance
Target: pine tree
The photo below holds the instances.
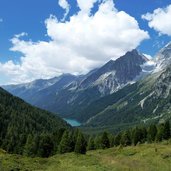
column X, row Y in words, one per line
column 160, row 133
column 151, row 133
column 144, row 134
column 46, row 146
column 64, row 146
column 166, row 135
column 112, row 140
column 97, row 141
column 28, row 146
column 105, row 143
column 57, row 136
column 117, row 139
column 80, row 146
column 126, row 139
column 91, row 144
column 137, row 136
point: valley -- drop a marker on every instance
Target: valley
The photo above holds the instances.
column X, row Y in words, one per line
column 85, row 85
column 129, row 91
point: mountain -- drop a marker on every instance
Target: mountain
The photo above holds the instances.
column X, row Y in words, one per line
column 18, row 120
column 163, row 58
column 69, row 95
column 116, row 74
column 148, row 100
column 34, row 91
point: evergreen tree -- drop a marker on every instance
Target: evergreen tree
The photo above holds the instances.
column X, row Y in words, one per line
column 151, row 133
column 57, row 136
column 166, row 135
column 105, row 143
column 126, row 138
column 112, row 140
column 28, row 146
column 137, row 136
column 64, row 146
column 80, row 146
column 160, row 133
column 35, row 147
column 144, row 134
column 46, row 146
column 97, row 141
column 91, row 144
column 117, row 139
column 72, row 140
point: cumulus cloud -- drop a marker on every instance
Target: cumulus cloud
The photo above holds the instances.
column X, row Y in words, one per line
column 160, row 20
column 85, row 6
column 65, row 5
column 77, row 45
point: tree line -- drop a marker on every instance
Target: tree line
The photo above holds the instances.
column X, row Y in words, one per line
column 75, row 141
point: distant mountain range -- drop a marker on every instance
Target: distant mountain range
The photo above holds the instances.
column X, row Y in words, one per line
column 131, row 89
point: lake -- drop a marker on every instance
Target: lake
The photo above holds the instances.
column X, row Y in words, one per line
column 72, row 122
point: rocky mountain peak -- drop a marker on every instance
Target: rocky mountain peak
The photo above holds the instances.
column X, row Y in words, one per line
column 163, row 58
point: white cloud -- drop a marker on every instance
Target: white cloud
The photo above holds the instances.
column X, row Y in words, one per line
column 148, row 56
column 160, row 20
column 65, row 5
column 85, row 6
column 84, row 42
column 1, row 20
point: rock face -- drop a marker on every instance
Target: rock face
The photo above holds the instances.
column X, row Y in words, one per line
column 163, row 58
column 148, row 100
column 69, row 95
column 116, row 74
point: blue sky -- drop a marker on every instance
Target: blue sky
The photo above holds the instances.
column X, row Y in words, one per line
column 29, row 16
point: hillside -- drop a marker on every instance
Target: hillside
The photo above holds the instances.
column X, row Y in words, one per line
column 19, row 119
column 147, row 100
column 69, row 95
column 149, row 157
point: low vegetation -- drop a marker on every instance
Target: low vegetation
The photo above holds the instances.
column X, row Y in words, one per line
column 144, row 157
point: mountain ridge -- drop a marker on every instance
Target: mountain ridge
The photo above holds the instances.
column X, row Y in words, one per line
column 74, row 95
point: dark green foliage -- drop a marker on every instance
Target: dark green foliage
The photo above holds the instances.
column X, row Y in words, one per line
column 117, row 139
column 46, row 146
column 91, row 144
column 21, row 122
column 65, row 144
column 136, row 136
column 57, row 136
column 28, row 146
column 166, row 135
column 144, row 134
column 152, row 132
column 81, row 144
column 160, row 133
column 163, row 131
column 97, row 142
column 112, row 140
column 126, row 138
column 105, row 143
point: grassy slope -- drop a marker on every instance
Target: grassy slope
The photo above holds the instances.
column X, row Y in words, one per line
column 140, row 158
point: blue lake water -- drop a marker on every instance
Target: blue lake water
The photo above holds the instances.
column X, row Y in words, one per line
column 72, row 122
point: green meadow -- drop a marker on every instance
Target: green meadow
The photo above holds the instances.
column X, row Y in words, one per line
column 146, row 157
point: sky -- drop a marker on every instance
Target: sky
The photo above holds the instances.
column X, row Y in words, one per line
column 45, row 38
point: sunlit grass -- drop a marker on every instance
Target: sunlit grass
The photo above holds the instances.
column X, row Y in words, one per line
column 147, row 157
